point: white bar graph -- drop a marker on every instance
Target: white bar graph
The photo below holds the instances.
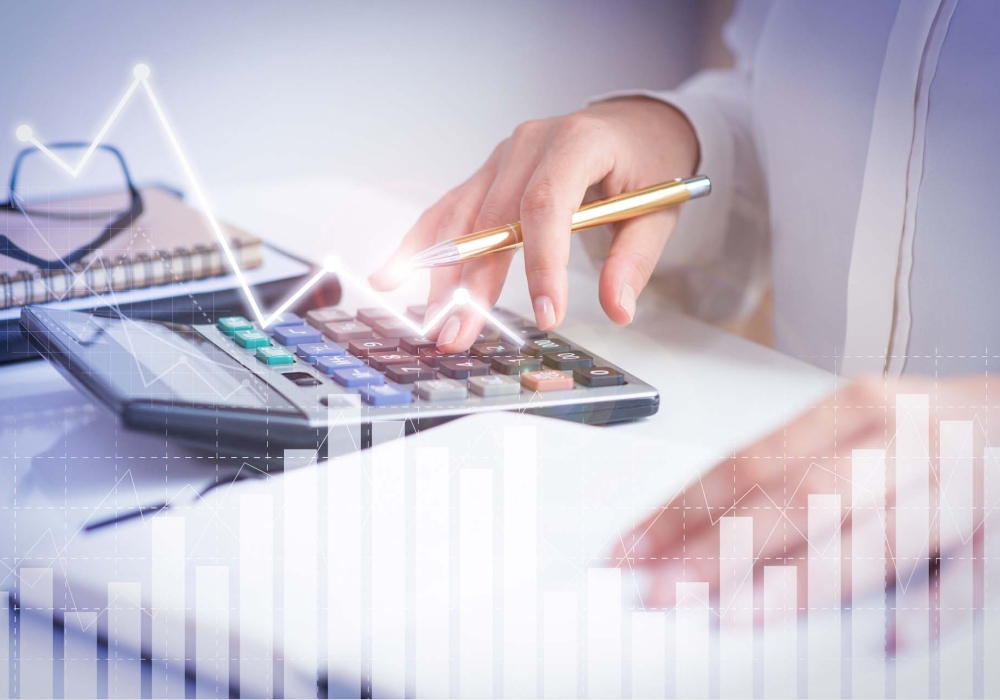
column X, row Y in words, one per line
column 912, row 540
column 432, row 638
column 344, row 516
column 388, row 572
column 560, row 645
column 693, row 640
column 823, row 595
column 780, row 632
column 35, row 598
column 520, row 561
column 604, row 633
column 736, row 607
column 168, row 600
column 649, row 655
column 956, row 578
column 80, row 654
column 5, row 660
column 475, row 583
column 300, row 552
column 256, row 596
column 211, row 641
column 868, row 575
column 124, row 637
column 991, row 571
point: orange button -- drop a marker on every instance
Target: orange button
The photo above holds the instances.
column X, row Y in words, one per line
column 546, row 380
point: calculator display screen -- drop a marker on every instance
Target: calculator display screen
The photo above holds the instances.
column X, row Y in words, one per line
column 165, row 361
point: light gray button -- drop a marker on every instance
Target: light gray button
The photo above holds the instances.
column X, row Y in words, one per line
column 495, row 385
column 441, row 390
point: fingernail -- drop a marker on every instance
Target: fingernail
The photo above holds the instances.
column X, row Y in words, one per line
column 545, row 313
column 626, row 301
column 449, row 331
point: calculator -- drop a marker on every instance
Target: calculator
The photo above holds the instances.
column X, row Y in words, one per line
column 235, row 387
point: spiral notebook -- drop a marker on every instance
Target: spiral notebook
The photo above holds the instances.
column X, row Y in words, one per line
column 170, row 242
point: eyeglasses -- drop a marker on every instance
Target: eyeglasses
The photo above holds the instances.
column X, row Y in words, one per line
column 121, row 219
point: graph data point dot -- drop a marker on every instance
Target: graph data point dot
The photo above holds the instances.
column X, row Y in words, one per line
column 141, row 71
column 331, row 263
column 24, row 133
column 182, row 360
column 460, row 296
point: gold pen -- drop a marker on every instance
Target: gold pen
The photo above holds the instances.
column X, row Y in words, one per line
column 606, row 211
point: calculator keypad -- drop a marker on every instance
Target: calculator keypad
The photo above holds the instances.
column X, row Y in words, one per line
column 376, row 355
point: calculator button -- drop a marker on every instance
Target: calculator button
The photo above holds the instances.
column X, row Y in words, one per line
column 293, row 335
column 567, row 359
column 386, row 395
column 285, row 319
column 488, row 335
column 342, row 331
column 251, row 339
column 301, row 378
column 515, row 364
column 275, row 356
column 543, row 345
column 329, row 365
column 310, row 352
column 463, row 368
column 495, row 385
column 598, row 376
column 358, row 376
column 414, row 345
column 530, row 331
column 409, row 373
column 382, row 360
column 494, row 348
column 546, row 380
column 432, row 357
column 364, row 348
column 393, row 328
column 441, row 390
column 373, row 314
column 417, row 312
column 230, row 324
column 329, row 314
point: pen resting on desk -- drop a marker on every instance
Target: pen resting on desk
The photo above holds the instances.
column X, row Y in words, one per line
column 169, row 242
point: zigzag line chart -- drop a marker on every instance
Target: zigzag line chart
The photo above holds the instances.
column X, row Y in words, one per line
column 141, row 73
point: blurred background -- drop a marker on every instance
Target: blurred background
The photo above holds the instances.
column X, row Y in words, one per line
column 407, row 96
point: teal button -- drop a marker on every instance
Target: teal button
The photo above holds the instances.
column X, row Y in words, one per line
column 275, row 356
column 230, row 324
column 251, row 339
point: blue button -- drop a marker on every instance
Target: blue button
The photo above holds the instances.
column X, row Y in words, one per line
column 285, row 319
column 358, row 376
column 310, row 352
column 331, row 363
column 386, row 395
column 293, row 335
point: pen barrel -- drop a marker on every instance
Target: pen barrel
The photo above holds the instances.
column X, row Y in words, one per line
column 631, row 204
column 606, row 211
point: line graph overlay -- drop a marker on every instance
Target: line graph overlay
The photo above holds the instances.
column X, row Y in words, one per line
column 141, row 74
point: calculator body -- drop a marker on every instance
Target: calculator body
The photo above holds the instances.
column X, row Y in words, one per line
column 235, row 388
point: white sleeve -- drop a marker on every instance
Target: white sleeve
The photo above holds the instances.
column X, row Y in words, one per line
column 717, row 259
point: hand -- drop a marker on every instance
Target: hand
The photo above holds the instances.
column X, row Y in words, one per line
column 540, row 176
column 771, row 481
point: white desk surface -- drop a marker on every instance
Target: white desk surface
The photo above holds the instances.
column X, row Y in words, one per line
column 718, row 392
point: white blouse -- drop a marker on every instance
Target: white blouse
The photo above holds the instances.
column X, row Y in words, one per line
column 854, row 151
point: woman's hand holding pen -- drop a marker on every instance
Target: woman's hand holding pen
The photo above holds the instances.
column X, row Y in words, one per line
column 540, row 176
